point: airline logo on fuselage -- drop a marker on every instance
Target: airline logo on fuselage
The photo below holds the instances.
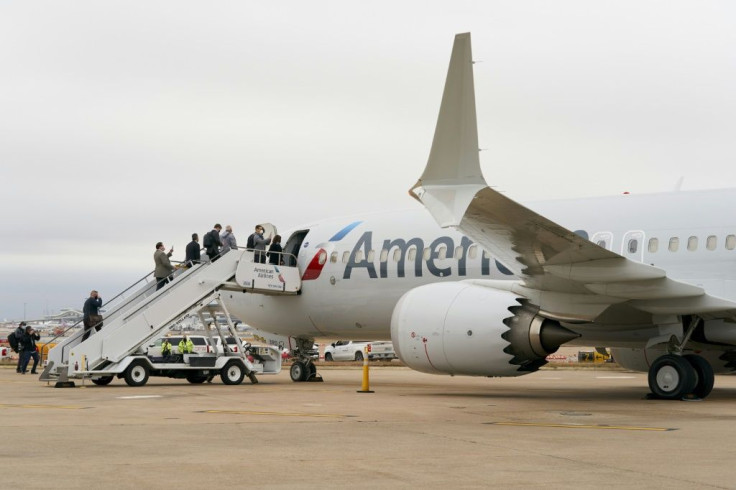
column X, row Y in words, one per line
column 432, row 262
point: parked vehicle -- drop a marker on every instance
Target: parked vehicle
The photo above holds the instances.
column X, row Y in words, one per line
column 201, row 345
column 355, row 350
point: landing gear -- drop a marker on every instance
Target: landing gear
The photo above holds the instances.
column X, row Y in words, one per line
column 303, row 368
column 703, row 374
column 673, row 377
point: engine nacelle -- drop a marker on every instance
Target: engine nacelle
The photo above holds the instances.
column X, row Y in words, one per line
column 465, row 329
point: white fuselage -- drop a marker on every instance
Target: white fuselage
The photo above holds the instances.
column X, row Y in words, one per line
column 374, row 259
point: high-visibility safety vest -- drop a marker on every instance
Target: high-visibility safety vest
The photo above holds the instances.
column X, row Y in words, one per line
column 186, row 347
column 166, row 348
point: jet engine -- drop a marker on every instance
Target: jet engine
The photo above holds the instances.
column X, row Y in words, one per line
column 465, row 329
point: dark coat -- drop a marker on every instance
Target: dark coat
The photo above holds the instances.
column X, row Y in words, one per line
column 274, row 254
column 215, row 243
column 28, row 341
column 91, row 305
column 193, row 253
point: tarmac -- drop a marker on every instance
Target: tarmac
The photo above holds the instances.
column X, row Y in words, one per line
column 558, row 428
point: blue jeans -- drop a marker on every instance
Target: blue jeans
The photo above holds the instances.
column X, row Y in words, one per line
column 26, row 356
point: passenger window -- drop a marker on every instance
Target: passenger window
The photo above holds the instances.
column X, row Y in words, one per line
column 397, row 255
column 333, row 257
column 674, row 244
column 633, row 245
column 653, row 245
column 711, row 242
column 459, row 252
column 692, row 243
column 345, row 257
column 601, row 243
column 411, row 255
column 384, row 255
column 359, row 256
column 426, row 254
column 442, row 252
column 730, row 242
column 486, row 255
column 473, row 251
column 371, row 255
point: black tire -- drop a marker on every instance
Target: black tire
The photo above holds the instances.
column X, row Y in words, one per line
column 197, row 378
column 328, row 357
column 137, row 373
column 298, row 371
column 671, row 377
column 704, row 375
column 233, row 373
column 311, row 371
column 102, row 381
column 358, row 356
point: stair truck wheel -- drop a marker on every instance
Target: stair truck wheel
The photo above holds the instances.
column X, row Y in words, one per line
column 102, row 380
column 136, row 374
column 196, row 378
column 704, row 375
column 233, row 373
column 671, row 377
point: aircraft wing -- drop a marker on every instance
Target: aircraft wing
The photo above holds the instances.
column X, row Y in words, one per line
column 567, row 276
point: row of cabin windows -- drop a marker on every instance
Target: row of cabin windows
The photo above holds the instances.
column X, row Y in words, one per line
column 711, row 243
column 442, row 253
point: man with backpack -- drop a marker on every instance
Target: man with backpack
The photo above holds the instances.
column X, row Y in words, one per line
column 15, row 342
column 212, row 243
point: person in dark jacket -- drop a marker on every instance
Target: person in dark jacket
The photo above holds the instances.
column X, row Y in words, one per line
column 259, row 245
column 29, row 350
column 212, row 242
column 193, row 251
column 274, row 251
column 92, row 317
column 18, row 333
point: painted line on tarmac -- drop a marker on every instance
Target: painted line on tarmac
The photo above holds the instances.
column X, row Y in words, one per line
column 279, row 414
column 577, row 426
column 615, row 377
column 137, row 397
column 50, row 407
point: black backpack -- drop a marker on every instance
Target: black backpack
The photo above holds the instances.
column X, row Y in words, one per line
column 207, row 241
column 13, row 340
column 251, row 242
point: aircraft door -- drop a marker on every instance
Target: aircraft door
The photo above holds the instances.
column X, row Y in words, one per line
column 292, row 247
column 632, row 245
column 603, row 239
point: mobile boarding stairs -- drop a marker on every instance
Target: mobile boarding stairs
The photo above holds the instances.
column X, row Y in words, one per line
column 140, row 314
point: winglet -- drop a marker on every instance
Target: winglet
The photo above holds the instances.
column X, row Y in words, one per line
column 452, row 175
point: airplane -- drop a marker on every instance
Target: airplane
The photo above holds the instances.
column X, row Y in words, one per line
column 481, row 285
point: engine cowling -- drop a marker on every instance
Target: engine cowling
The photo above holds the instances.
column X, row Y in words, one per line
column 465, row 329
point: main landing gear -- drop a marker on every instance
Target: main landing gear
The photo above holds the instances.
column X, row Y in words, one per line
column 675, row 376
column 303, row 368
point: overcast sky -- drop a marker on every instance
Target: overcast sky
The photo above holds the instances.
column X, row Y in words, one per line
column 126, row 123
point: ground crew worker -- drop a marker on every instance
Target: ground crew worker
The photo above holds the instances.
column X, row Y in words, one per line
column 166, row 348
column 186, row 346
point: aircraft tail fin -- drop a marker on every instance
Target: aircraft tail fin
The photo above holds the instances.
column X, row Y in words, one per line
column 453, row 175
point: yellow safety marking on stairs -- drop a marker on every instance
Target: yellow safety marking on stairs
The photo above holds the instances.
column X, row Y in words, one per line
column 277, row 414
column 51, row 407
column 576, row 426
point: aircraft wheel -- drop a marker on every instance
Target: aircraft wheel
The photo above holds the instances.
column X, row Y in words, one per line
column 102, row 380
column 233, row 373
column 671, row 377
column 298, row 371
column 136, row 374
column 704, row 375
